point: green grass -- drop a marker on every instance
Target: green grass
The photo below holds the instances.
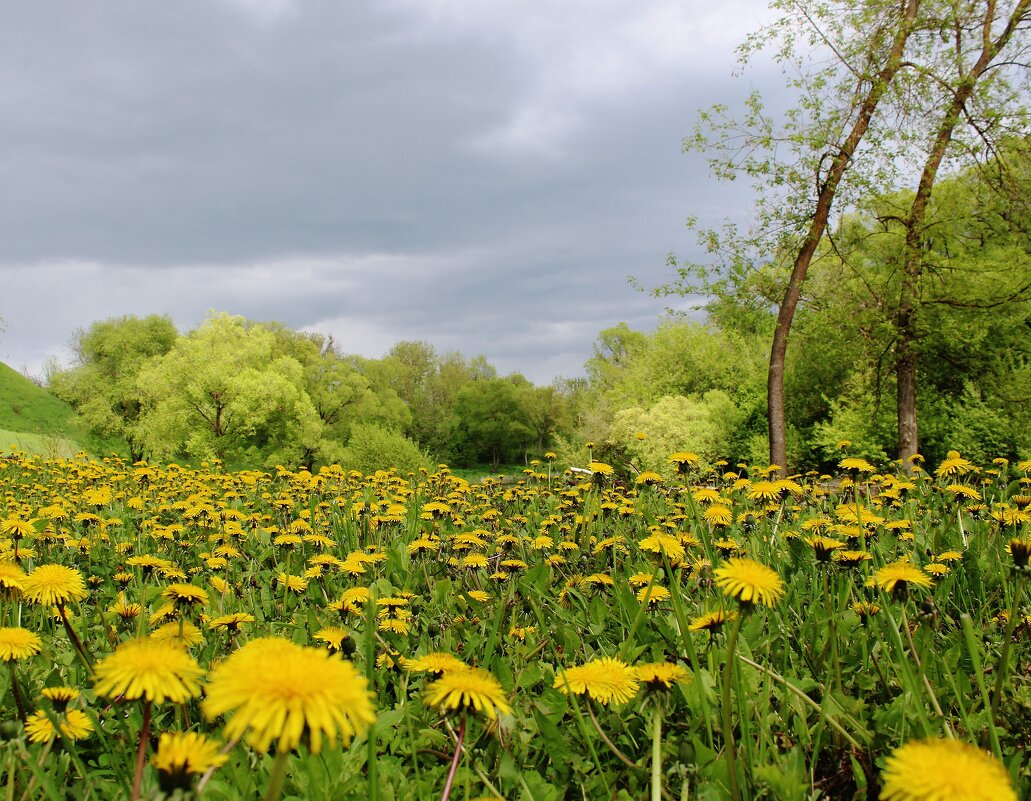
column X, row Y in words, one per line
column 49, row 445
column 39, row 422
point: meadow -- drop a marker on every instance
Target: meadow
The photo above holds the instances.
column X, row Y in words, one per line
column 711, row 632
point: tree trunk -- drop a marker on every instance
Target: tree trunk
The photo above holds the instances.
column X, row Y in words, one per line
column 909, row 297
column 825, row 198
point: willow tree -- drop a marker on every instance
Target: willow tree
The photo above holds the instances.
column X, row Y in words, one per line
column 222, row 391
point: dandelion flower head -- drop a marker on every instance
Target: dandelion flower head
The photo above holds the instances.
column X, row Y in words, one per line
column 275, row 691
column 944, row 770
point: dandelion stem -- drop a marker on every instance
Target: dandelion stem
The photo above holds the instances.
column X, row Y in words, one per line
column 927, row 684
column 656, row 754
column 80, row 649
column 459, row 737
column 19, row 701
column 1004, row 656
column 728, row 718
column 277, row 778
column 605, row 739
column 141, row 751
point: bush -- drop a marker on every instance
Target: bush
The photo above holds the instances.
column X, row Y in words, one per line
column 373, row 447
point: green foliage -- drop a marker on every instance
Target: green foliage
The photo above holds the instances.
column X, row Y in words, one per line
column 222, row 392
column 373, row 447
column 102, row 386
column 705, row 426
column 491, row 422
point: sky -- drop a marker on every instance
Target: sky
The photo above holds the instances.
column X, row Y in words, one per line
column 482, row 175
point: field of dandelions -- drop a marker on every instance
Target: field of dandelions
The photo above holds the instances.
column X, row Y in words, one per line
column 710, row 633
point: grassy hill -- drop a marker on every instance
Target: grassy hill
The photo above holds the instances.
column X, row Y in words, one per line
column 34, row 420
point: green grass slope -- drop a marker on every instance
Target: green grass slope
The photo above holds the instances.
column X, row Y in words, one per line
column 36, row 421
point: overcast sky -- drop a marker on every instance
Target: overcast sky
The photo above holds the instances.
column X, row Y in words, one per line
column 479, row 174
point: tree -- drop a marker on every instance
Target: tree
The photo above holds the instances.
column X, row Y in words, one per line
column 979, row 34
column 490, row 422
column 222, row 391
column 102, row 384
column 973, row 360
column 852, row 53
column 339, row 390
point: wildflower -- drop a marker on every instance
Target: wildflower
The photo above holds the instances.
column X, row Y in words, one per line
column 600, row 468
column 75, row 725
column 763, row 491
column 520, row 632
column 185, row 595
column 648, row 478
column 1020, row 552
column 660, row 675
column 291, row 582
column 718, row 515
column 896, row 578
column 231, row 622
column 124, row 609
column 944, row 770
column 824, row 547
column 276, row 692
column 181, row 755
column 182, row 632
column 12, row 578
column 18, row 643
column 712, row 621
column 851, row 558
column 865, row 610
column 682, row 460
column 664, row 544
column 157, row 670
column 337, row 639
column 435, row 663
column 653, row 594
column 604, row 680
column 472, row 688
column 954, row 465
column 54, row 585
column 749, row 581
column 859, row 465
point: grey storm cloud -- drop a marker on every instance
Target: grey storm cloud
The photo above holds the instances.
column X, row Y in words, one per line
column 483, row 176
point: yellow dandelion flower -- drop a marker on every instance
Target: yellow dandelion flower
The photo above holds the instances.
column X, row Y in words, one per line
column 54, row 585
column 661, row 675
column 335, row 638
column 898, row 576
column 185, row 595
column 749, row 581
column 435, row 662
column 718, row 515
column 859, row 465
column 75, row 725
column 181, row 755
column 605, row 680
column 944, row 770
column 182, row 632
column 231, row 622
column 12, row 577
column 276, row 692
column 157, row 670
column 18, row 643
column 712, row 621
column 470, row 689
column 667, row 544
column 653, row 594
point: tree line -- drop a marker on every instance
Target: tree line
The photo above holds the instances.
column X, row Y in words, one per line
column 261, row 394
